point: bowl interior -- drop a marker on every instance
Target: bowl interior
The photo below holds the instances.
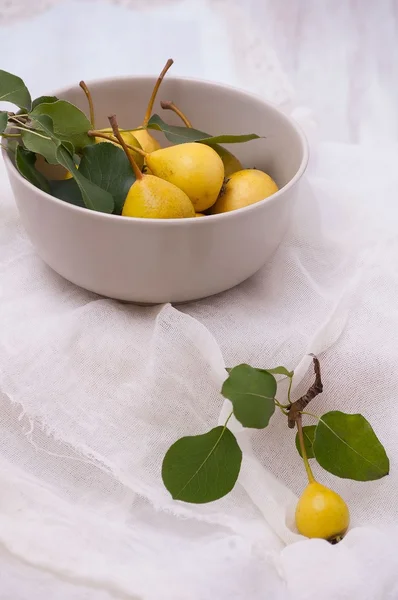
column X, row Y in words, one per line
column 213, row 108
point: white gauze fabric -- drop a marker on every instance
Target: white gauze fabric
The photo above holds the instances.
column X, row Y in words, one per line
column 95, row 391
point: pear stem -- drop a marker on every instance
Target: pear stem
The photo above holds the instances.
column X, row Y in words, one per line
column 308, row 469
column 90, row 102
column 114, row 125
column 155, row 91
column 111, row 138
column 171, row 106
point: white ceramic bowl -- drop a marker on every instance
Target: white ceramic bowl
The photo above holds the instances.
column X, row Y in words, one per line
column 154, row 261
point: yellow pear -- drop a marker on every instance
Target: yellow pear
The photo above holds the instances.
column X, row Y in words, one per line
column 194, row 168
column 199, row 215
column 321, row 513
column 231, row 163
column 153, row 198
column 243, row 188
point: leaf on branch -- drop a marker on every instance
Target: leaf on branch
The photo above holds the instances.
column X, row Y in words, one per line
column 180, row 135
column 347, row 446
column 202, row 468
column 308, row 434
column 3, row 120
column 252, row 393
column 93, row 196
column 107, row 166
column 25, row 162
column 13, row 89
column 69, row 122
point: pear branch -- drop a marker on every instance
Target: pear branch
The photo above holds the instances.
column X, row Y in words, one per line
column 90, row 102
column 307, row 466
column 171, row 106
column 115, row 128
column 111, row 138
column 299, row 405
column 155, row 91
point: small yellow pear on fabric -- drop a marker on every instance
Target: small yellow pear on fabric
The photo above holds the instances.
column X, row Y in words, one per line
column 147, row 141
column 321, row 513
column 194, row 168
column 199, row 215
column 231, row 163
column 150, row 197
column 244, row 188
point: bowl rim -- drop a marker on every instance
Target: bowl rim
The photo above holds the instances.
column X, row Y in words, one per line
column 168, row 222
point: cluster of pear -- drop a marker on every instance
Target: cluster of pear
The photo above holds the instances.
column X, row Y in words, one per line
column 190, row 179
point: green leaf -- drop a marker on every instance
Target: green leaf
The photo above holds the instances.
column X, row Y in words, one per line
column 228, row 138
column 45, row 141
column 3, row 120
column 41, row 145
column 252, row 392
column 279, row 371
column 68, row 191
column 69, row 122
column 202, row 468
column 13, row 89
column 347, row 446
column 180, row 135
column 25, row 162
column 309, row 434
column 93, row 196
column 108, row 167
column 11, row 147
column 47, row 126
column 44, row 100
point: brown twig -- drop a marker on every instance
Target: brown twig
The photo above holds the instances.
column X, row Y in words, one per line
column 90, row 102
column 299, row 405
column 111, row 138
column 155, row 91
column 113, row 121
column 168, row 105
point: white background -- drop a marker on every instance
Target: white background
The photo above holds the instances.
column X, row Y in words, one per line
column 340, row 57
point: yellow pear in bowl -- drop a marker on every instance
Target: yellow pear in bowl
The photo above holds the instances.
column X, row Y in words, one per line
column 243, row 188
column 231, row 163
column 153, row 198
